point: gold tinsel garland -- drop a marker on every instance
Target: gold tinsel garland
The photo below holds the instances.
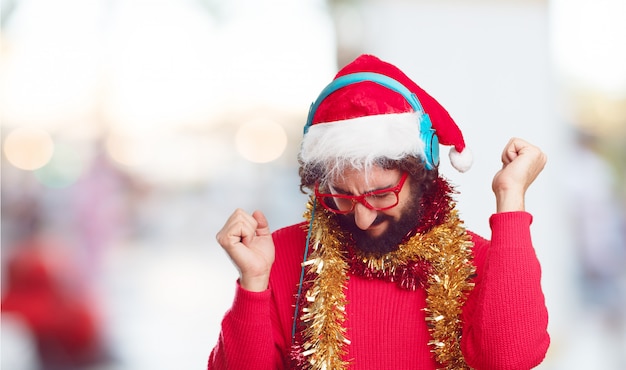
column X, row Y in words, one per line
column 446, row 247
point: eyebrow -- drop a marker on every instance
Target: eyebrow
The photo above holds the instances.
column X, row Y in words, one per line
column 344, row 192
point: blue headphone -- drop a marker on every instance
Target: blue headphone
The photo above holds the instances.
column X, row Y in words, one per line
column 427, row 133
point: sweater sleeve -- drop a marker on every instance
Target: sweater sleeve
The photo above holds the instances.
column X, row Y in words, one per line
column 246, row 337
column 505, row 317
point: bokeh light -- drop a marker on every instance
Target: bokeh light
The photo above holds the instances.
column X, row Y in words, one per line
column 28, row 148
column 158, row 77
column 50, row 71
column 129, row 150
column 261, row 140
column 63, row 169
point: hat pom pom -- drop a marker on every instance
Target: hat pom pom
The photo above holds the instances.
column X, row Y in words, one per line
column 461, row 161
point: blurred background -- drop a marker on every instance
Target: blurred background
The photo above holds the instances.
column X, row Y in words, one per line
column 131, row 129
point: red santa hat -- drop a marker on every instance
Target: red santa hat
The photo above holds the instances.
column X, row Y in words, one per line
column 372, row 110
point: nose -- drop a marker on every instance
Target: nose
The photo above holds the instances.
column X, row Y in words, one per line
column 363, row 216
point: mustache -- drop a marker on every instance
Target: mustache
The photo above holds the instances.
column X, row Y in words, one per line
column 380, row 218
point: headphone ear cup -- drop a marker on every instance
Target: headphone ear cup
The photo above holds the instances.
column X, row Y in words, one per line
column 431, row 143
column 434, row 149
column 431, row 149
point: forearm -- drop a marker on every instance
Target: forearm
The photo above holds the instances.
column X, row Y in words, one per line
column 246, row 340
column 506, row 317
column 509, row 200
column 258, row 283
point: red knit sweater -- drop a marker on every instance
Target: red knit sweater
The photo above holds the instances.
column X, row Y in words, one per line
column 504, row 317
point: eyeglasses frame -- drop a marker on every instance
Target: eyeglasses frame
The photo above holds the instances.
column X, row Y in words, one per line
column 361, row 198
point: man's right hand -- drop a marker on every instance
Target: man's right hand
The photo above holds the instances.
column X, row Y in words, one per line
column 248, row 241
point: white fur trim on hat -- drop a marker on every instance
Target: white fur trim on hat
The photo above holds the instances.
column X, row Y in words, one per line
column 364, row 139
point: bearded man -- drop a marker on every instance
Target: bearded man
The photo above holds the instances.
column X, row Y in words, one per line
column 382, row 273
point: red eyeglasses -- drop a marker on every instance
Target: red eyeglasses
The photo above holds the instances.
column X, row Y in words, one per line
column 378, row 200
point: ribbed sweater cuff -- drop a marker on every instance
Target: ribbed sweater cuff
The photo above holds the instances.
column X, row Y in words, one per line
column 247, row 303
column 508, row 228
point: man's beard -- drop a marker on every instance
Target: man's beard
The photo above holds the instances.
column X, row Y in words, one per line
column 391, row 238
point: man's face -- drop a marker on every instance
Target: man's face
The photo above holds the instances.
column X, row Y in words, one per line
column 378, row 231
